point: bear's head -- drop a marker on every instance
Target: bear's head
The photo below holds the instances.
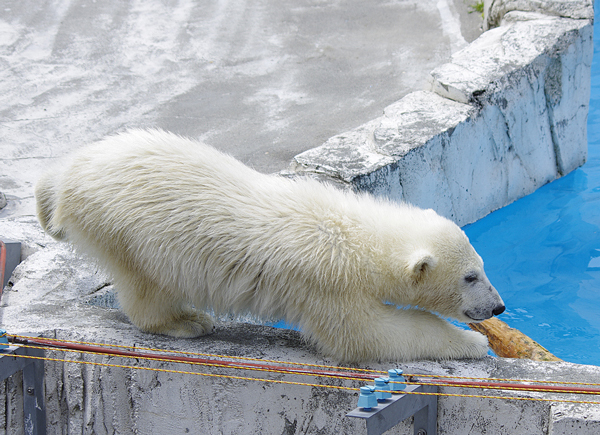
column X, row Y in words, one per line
column 446, row 274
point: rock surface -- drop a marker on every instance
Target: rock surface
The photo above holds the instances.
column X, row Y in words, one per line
column 494, row 10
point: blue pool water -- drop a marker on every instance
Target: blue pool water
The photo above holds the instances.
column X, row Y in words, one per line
column 542, row 252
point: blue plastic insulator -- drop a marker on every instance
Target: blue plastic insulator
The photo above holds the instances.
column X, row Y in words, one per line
column 367, row 399
column 3, row 339
column 395, row 376
column 382, row 389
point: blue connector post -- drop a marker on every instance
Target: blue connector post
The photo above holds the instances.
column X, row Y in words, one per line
column 367, row 399
column 394, row 380
column 382, row 389
column 3, row 340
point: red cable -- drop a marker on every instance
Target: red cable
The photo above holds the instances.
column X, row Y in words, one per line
column 519, row 387
column 232, row 364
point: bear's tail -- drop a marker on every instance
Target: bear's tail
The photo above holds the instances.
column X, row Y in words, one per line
column 46, row 202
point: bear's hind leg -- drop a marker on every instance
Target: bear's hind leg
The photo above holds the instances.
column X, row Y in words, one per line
column 159, row 310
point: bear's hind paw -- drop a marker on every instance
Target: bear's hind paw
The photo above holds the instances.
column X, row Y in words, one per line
column 188, row 325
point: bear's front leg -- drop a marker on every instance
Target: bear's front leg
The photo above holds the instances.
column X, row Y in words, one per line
column 388, row 333
column 427, row 336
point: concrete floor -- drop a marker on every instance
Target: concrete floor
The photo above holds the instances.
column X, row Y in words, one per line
column 263, row 80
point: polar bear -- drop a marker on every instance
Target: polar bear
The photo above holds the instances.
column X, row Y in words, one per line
column 184, row 228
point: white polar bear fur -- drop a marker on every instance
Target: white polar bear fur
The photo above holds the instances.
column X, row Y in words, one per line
column 183, row 227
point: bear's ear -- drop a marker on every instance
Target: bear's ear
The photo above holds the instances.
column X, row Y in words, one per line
column 420, row 263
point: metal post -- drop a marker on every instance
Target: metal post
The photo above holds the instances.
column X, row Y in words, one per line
column 425, row 421
column 400, row 407
column 10, row 257
column 34, row 410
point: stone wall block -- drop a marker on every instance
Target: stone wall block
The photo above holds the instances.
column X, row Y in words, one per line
column 570, row 418
column 552, row 73
column 344, row 156
column 467, row 415
column 494, row 10
column 568, row 94
column 507, row 115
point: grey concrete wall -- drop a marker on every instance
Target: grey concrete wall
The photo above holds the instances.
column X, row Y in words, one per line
column 103, row 400
column 507, row 115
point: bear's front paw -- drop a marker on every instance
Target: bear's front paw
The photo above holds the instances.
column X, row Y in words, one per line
column 474, row 345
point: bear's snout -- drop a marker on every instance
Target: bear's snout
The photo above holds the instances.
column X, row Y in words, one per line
column 481, row 314
column 482, row 301
column 485, row 311
column 499, row 310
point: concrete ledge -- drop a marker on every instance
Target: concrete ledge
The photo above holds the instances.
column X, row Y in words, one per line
column 494, row 10
column 95, row 399
column 507, row 115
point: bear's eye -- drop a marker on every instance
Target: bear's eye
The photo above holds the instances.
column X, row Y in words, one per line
column 471, row 277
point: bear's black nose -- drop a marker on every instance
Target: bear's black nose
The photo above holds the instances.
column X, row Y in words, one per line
column 499, row 310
